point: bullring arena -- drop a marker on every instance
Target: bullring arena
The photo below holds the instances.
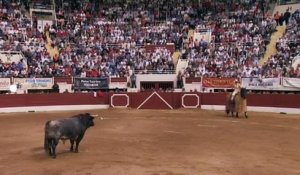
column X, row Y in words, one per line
column 154, row 142
column 160, row 142
column 158, row 75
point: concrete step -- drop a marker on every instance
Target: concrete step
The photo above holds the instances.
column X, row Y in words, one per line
column 176, row 55
column 271, row 47
column 283, row 8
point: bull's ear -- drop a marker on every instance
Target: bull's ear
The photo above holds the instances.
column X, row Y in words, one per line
column 87, row 114
column 92, row 117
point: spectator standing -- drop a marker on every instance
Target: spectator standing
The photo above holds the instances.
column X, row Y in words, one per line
column 179, row 80
column 287, row 16
column 276, row 18
column 133, row 80
column 281, row 19
column 55, row 88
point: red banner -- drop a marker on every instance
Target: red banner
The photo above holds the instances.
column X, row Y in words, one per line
column 217, row 82
column 64, row 79
column 152, row 47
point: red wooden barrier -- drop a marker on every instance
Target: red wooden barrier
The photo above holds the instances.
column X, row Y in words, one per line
column 23, row 100
column 145, row 100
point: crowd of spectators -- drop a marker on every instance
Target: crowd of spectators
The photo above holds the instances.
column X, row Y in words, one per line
column 17, row 34
column 112, row 38
column 239, row 39
column 108, row 40
column 288, row 46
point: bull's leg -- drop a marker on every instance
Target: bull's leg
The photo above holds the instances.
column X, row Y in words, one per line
column 54, row 144
column 50, row 150
column 246, row 115
column 72, row 144
column 227, row 112
column 49, row 146
column 77, row 143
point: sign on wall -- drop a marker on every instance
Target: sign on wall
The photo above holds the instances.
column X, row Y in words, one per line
column 90, row 83
column 217, row 82
column 204, row 35
column 34, row 83
column 4, row 84
column 261, row 84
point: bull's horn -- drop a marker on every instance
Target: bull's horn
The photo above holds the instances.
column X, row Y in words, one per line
column 95, row 115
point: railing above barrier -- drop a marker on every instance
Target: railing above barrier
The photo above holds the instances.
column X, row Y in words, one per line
column 159, row 80
column 154, row 71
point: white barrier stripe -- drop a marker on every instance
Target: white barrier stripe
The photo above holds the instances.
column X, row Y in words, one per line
column 256, row 109
column 52, row 108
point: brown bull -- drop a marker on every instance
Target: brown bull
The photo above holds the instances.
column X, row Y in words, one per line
column 237, row 104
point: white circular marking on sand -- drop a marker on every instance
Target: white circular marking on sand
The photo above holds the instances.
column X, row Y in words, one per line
column 175, row 132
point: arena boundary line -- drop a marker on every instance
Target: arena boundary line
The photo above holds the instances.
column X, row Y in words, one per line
column 52, row 108
column 93, row 107
column 256, row 109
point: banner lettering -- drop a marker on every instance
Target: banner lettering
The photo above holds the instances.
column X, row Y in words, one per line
column 90, row 83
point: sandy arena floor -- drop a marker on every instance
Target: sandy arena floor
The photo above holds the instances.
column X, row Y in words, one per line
column 156, row 142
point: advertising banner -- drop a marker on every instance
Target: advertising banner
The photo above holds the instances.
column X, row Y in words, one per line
column 90, row 83
column 34, row 83
column 261, row 84
column 217, row 82
column 291, row 82
column 4, row 84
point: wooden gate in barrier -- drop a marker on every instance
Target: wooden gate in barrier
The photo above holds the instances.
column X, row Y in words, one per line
column 155, row 100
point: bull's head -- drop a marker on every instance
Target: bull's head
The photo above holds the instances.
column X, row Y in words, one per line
column 90, row 119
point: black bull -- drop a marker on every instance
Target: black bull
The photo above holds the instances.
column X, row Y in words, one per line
column 72, row 128
column 238, row 104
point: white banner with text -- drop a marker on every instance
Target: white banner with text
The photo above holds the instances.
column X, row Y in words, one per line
column 34, row 83
column 4, row 84
column 261, row 84
column 291, row 82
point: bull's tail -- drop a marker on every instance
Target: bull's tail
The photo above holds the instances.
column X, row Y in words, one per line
column 46, row 140
column 46, row 144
